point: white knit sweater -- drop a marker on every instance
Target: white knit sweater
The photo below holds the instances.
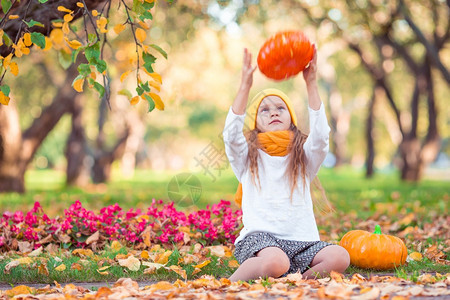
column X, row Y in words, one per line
column 269, row 208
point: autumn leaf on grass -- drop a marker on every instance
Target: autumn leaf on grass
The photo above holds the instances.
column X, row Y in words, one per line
column 132, row 263
column 164, row 257
column 60, row 268
column 83, row 252
column 76, row 266
column 198, row 268
column 152, row 267
column 233, row 263
column 116, row 246
column 219, row 251
column 144, row 254
column 179, row 271
column 16, row 262
column 414, row 256
column 43, row 270
column 36, row 252
column 102, row 271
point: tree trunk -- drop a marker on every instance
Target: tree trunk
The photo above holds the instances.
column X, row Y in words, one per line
column 17, row 148
column 11, row 167
column 77, row 172
column 103, row 158
column 101, row 171
column 369, row 135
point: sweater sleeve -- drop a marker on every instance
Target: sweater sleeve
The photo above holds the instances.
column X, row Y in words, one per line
column 317, row 144
column 235, row 142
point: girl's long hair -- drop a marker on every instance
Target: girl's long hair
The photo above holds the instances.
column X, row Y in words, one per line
column 296, row 161
column 296, row 165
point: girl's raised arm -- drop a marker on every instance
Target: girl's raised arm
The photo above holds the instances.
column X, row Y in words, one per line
column 240, row 102
column 309, row 74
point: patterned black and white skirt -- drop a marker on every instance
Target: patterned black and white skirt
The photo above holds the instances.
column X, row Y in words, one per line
column 300, row 253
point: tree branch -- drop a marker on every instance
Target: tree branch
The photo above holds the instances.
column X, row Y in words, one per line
column 44, row 13
column 432, row 52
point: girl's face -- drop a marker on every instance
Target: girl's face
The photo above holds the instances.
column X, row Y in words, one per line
column 273, row 115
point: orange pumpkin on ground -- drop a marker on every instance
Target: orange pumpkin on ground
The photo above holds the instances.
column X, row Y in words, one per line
column 285, row 54
column 374, row 250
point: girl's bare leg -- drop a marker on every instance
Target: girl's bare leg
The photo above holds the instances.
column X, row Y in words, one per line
column 330, row 258
column 270, row 261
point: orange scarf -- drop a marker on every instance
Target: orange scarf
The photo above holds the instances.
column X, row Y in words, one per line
column 274, row 143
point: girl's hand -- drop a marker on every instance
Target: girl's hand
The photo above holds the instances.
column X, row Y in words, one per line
column 247, row 70
column 309, row 74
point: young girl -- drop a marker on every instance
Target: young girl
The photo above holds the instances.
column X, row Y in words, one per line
column 275, row 165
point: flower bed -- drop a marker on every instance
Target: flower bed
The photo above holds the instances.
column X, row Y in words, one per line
column 82, row 228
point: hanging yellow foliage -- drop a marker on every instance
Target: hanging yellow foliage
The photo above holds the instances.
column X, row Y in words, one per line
column 141, row 35
column 159, row 104
column 78, row 85
column 74, row 44
column 119, row 28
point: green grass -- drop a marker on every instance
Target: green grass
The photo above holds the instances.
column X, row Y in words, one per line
column 91, row 266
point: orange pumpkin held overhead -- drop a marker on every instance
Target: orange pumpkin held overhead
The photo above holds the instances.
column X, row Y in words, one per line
column 285, row 54
column 374, row 250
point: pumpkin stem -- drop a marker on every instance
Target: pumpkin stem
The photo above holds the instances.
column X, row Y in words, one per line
column 377, row 229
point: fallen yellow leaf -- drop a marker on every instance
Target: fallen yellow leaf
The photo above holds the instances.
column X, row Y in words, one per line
column 83, row 252
column 116, row 246
column 205, row 263
column 20, row 290
column 25, row 260
column 415, row 256
column 76, row 266
column 233, row 263
column 60, row 268
column 144, row 254
column 164, row 257
column 179, row 271
column 103, row 292
column 102, row 270
column 152, row 267
column 132, row 263
column 162, row 285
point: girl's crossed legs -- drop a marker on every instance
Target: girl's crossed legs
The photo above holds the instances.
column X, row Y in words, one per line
column 273, row 262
